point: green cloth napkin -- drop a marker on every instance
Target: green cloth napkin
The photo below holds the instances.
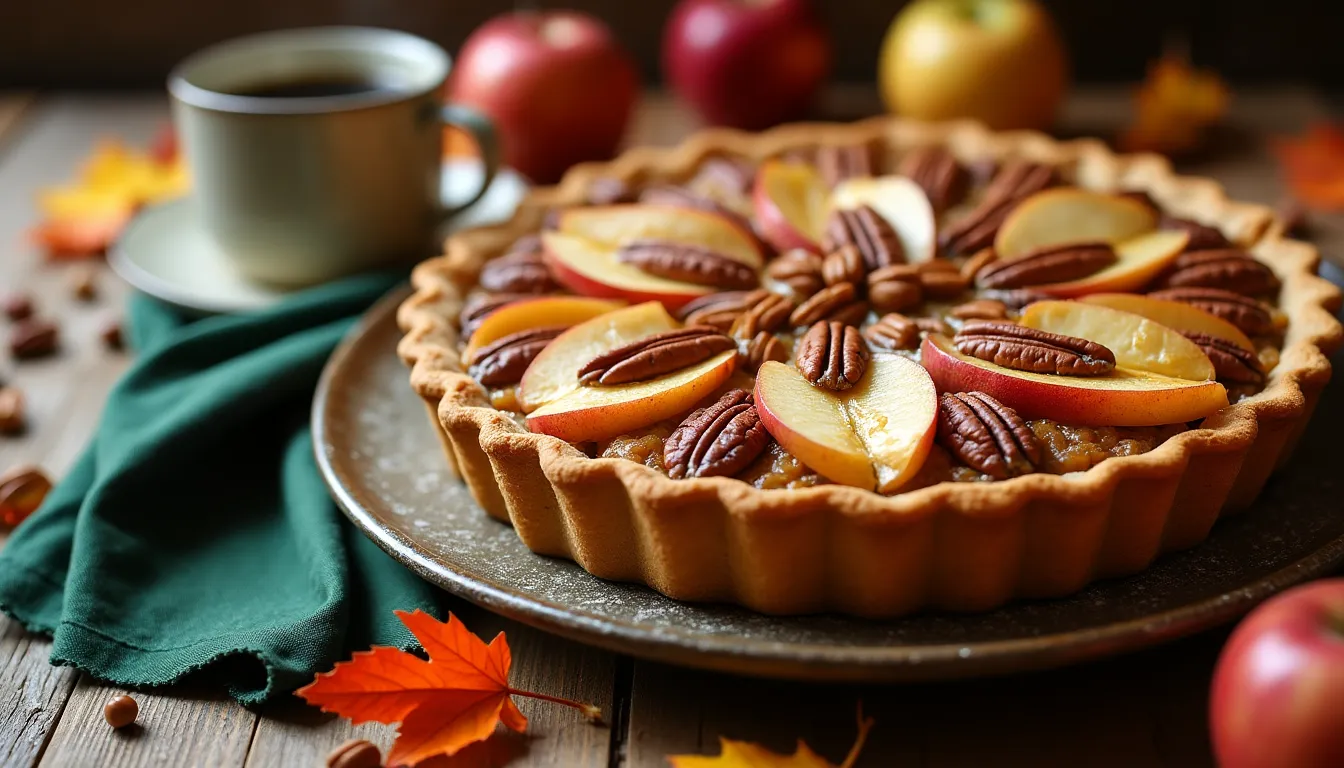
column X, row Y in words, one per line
column 194, row 537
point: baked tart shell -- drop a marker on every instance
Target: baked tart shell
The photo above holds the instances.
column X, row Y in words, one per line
column 953, row 546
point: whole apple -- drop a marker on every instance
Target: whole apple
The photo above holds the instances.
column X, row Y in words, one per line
column 558, row 87
column 745, row 63
column 997, row 61
column 1278, row 690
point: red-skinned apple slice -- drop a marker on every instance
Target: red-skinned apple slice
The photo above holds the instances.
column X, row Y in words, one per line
column 541, row 312
column 902, row 203
column 599, row 413
column 1124, row 398
column 1174, row 314
column 591, row 269
column 1140, row 259
column 1071, row 215
column 874, row 436
column 790, row 201
column 616, row 225
column 555, row 372
column 1137, row 342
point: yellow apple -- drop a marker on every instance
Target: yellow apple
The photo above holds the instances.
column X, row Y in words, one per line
column 1137, row 341
column 997, row 61
column 791, row 202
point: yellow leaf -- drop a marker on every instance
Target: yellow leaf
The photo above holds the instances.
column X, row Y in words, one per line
column 1174, row 107
column 744, row 754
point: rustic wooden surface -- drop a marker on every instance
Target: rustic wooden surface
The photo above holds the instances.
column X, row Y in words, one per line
column 1142, row 710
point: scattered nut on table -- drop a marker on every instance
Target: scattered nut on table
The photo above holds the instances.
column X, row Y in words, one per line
column 84, row 282
column 13, row 417
column 121, row 711
column 111, row 334
column 18, row 306
column 355, row 753
column 32, row 339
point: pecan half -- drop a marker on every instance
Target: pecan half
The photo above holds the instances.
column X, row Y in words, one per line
column 895, row 288
column 1231, row 362
column 929, row 325
column 866, row 230
column 18, row 306
column 503, row 361
column 935, row 170
column 1246, row 313
column 1202, row 236
column 977, row 262
column 719, row 310
column 893, row 331
column 838, row 302
column 941, row 280
column 1029, row 349
column 653, row 356
column 987, row 435
column 843, row 266
column 981, row 309
column 1014, row 182
column 769, row 312
column 716, row 441
column 832, row 355
column 798, row 269
column 481, row 305
column 521, row 270
column 763, row 346
column 1230, row 269
column 837, row 163
column 687, row 263
column 1051, row 264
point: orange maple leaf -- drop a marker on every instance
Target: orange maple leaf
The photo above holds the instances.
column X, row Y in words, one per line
column 1313, row 165
column 454, row 699
column 1174, row 107
column 744, row 754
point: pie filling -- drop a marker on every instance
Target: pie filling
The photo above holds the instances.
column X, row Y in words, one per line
column 840, row 316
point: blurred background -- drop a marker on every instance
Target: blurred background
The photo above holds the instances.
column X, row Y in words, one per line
column 97, row 44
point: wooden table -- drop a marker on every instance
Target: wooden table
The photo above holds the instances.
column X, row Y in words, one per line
column 1142, row 710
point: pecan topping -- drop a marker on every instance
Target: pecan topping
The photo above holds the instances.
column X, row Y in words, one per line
column 843, row 266
column 835, row 163
column 838, row 302
column 929, row 325
column 521, row 270
column 1246, row 313
column 1227, row 268
column 1016, row 298
column 832, row 355
column 798, row 269
column 934, row 169
column 503, row 361
column 762, row 347
column 717, row 441
column 1051, row 264
column 719, row 310
column 1231, row 362
column 866, row 230
column 987, row 435
column 895, row 288
column 1029, row 349
column 1015, row 182
column 973, row 266
column 653, row 356
column 687, row 263
column 940, row 279
column 607, row 190
column 981, row 309
column 893, row 331
column 769, row 312
column 481, row 305
column 1202, row 236
column 32, row 338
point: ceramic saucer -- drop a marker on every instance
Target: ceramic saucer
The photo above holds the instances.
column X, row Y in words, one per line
column 164, row 253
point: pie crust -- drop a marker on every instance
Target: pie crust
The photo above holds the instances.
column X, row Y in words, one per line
column 955, row 546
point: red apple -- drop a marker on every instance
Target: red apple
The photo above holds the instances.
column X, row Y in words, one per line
column 1278, row 689
column 745, row 63
column 557, row 85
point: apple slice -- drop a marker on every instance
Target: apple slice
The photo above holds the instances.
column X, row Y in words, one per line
column 1124, row 398
column 1071, row 215
column 790, row 201
column 616, row 225
column 590, row 268
column 1141, row 259
column 541, row 312
column 1173, row 314
column 555, row 372
column 599, row 413
column 902, row 203
column 874, row 436
column 1136, row 341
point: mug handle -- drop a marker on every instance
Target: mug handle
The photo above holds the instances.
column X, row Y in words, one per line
column 483, row 133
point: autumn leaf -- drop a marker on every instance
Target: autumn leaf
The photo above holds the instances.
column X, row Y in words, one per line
column 454, row 699
column 1174, row 107
column 1313, row 165
column 744, row 754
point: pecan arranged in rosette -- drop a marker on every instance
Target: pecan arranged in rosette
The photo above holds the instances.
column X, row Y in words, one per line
column 833, row 355
column 717, row 441
column 864, row 229
column 653, row 356
column 1052, row 264
column 1030, row 349
column 987, row 435
column 938, row 173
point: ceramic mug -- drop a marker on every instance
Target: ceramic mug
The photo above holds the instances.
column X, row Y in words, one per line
column 316, row 153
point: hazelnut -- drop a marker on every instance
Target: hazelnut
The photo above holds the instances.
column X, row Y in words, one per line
column 121, row 711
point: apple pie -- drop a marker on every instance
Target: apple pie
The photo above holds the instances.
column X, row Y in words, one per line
column 870, row 368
